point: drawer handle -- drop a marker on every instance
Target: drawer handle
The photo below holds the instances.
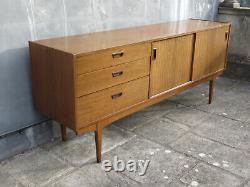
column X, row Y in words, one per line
column 115, row 96
column 116, row 74
column 117, row 54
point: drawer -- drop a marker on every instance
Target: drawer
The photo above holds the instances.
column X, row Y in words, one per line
column 98, row 105
column 105, row 78
column 112, row 57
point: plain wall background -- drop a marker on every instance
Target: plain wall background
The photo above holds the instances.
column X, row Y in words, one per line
column 245, row 3
column 24, row 20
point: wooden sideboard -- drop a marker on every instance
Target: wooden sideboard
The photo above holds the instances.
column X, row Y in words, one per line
column 85, row 82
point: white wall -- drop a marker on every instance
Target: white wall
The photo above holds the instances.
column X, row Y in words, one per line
column 23, row 20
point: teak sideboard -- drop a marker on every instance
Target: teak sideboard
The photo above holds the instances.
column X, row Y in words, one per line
column 86, row 82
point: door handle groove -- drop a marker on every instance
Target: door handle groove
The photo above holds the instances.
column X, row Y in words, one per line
column 226, row 35
column 154, row 53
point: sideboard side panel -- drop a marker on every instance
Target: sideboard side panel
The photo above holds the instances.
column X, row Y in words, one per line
column 53, row 83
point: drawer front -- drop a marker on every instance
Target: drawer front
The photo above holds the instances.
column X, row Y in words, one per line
column 112, row 57
column 98, row 105
column 105, row 78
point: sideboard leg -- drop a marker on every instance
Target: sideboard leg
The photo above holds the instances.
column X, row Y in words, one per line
column 211, row 91
column 98, row 143
column 64, row 132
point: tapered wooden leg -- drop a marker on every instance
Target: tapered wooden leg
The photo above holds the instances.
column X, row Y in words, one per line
column 64, row 132
column 211, row 91
column 98, row 143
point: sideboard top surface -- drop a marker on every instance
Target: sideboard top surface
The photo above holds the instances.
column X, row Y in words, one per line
column 91, row 42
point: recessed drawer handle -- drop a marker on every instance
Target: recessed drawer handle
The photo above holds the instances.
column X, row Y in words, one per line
column 116, row 74
column 118, row 54
column 115, row 96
